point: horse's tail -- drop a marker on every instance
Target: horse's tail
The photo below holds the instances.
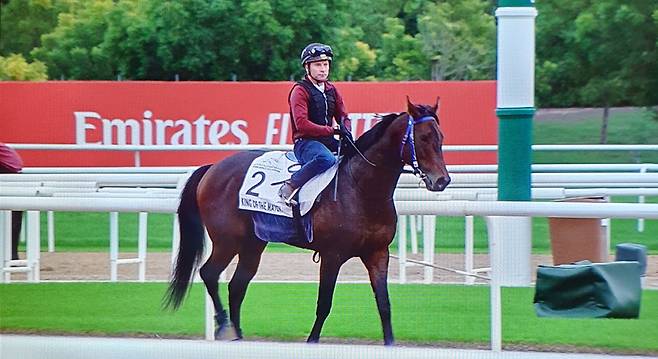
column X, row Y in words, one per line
column 191, row 241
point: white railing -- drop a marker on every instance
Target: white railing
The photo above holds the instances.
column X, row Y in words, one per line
column 169, row 182
column 137, row 149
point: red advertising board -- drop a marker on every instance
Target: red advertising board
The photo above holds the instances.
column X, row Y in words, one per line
column 189, row 113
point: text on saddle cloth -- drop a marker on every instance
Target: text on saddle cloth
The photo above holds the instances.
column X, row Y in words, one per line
column 260, row 189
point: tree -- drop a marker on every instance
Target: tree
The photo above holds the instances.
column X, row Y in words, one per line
column 22, row 22
column 401, row 56
column 216, row 40
column 164, row 40
column 459, row 38
column 16, row 68
column 601, row 53
column 355, row 59
column 73, row 50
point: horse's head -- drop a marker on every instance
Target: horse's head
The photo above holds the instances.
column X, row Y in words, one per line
column 423, row 150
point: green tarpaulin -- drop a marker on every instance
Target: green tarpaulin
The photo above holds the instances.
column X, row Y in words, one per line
column 589, row 290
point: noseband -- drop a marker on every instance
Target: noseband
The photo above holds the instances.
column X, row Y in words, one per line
column 409, row 139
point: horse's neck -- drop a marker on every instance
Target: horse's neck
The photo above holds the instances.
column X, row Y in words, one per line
column 379, row 181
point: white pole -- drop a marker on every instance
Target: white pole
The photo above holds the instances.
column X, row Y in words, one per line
column 468, row 249
column 33, row 245
column 429, row 231
column 5, row 245
column 50, row 215
column 141, row 244
column 210, row 322
column 496, row 315
column 640, row 199
column 413, row 225
column 402, row 248
column 114, row 245
column 175, row 241
column 510, row 249
column 210, row 309
column 497, row 273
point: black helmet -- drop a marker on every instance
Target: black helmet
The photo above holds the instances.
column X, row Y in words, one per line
column 316, row 52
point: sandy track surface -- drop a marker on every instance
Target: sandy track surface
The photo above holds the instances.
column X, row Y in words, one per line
column 274, row 267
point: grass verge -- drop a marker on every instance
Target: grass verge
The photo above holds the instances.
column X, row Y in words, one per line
column 422, row 315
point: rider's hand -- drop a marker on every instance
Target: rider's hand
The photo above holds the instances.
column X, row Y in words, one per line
column 344, row 131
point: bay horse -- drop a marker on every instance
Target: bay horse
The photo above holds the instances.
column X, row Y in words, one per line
column 360, row 223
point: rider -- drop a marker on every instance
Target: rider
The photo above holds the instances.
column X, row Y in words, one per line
column 314, row 105
column 11, row 162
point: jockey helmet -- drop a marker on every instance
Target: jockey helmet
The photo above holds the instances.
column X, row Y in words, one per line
column 316, row 52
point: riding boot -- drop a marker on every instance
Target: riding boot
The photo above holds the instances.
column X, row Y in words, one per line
column 287, row 192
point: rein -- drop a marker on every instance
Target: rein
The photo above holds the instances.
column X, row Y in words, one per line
column 408, row 136
column 359, row 151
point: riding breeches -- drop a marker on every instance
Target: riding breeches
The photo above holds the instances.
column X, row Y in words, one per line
column 314, row 157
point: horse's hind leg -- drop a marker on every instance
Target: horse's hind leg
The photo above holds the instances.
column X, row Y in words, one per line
column 249, row 255
column 219, row 259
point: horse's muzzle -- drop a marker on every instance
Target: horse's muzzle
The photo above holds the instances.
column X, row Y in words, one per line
column 438, row 184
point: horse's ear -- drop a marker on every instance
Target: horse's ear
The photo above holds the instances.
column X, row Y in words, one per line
column 411, row 108
column 436, row 107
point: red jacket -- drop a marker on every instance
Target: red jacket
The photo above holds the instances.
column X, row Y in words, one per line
column 299, row 109
column 10, row 161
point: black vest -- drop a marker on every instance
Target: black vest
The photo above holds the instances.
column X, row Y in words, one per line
column 320, row 111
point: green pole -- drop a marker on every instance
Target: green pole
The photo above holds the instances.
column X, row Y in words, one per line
column 515, row 98
column 515, row 153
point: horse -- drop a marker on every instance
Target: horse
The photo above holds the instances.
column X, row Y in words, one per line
column 361, row 222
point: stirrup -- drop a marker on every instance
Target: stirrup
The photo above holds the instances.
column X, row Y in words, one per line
column 287, row 192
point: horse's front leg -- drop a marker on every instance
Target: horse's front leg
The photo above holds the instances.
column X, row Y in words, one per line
column 377, row 265
column 329, row 267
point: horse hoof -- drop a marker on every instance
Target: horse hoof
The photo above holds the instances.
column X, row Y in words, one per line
column 227, row 333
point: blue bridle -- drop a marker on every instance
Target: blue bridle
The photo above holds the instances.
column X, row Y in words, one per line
column 409, row 136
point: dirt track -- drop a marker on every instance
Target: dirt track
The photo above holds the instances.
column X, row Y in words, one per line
column 274, row 267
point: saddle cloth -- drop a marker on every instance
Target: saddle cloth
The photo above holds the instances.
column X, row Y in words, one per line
column 260, row 189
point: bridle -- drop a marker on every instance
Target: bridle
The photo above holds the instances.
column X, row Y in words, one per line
column 409, row 139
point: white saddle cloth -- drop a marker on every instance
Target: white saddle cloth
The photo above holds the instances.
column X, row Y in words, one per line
column 260, row 189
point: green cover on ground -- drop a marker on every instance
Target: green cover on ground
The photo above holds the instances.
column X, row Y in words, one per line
column 589, row 290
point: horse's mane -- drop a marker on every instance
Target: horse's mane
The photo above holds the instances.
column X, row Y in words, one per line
column 370, row 137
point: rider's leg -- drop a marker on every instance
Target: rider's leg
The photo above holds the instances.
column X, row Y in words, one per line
column 315, row 158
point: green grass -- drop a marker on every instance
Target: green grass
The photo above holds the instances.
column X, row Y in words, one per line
column 422, row 314
column 623, row 128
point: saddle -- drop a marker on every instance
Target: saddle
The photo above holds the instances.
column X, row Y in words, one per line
column 259, row 191
column 274, row 221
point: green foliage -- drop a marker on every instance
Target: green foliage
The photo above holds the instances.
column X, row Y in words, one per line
column 600, row 53
column 22, row 22
column 589, row 53
column 74, row 49
column 16, row 68
column 355, row 59
column 400, row 57
column 459, row 38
